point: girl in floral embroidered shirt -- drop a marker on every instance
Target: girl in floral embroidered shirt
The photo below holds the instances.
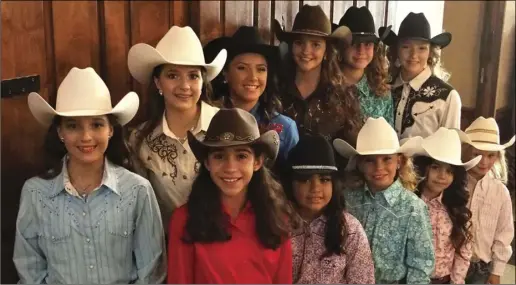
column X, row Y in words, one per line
column 332, row 246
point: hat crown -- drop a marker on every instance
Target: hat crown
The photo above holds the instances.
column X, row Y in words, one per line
column 444, row 145
column 247, row 35
column 303, row 152
column 377, row 134
column 358, row 20
column 232, row 125
column 415, row 25
column 189, row 49
column 484, row 130
column 83, row 89
column 312, row 18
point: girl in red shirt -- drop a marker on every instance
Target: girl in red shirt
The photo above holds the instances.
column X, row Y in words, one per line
column 235, row 226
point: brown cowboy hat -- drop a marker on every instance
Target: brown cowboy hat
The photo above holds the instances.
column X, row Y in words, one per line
column 311, row 20
column 232, row 127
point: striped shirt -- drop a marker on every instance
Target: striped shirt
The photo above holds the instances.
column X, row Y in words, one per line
column 114, row 235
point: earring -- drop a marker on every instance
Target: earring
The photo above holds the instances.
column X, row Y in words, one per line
column 397, row 63
column 160, row 92
column 62, row 139
column 398, row 167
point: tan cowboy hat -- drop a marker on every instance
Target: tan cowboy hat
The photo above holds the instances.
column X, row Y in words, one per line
column 179, row 46
column 232, row 127
column 485, row 135
column 376, row 137
column 83, row 93
column 445, row 146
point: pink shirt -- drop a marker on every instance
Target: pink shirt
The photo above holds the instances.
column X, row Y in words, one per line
column 353, row 267
column 447, row 261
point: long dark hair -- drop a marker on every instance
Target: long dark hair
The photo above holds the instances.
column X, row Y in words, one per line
column 455, row 199
column 207, row 223
column 333, row 83
column 156, row 105
column 54, row 150
column 336, row 229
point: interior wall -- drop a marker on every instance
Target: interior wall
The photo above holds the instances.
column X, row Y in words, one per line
column 506, row 64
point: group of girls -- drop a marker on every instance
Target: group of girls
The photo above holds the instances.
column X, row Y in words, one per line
column 294, row 166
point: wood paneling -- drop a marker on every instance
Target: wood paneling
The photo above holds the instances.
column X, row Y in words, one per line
column 285, row 12
column 264, row 19
column 236, row 14
column 210, row 20
column 339, row 8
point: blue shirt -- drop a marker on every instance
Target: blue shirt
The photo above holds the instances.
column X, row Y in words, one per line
column 114, row 235
column 397, row 225
column 285, row 126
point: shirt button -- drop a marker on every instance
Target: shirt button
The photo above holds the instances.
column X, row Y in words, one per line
column 88, row 240
column 184, row 151
column 184, row 177
column 84, row 213
column 53, row 237
column 91, row 266
column 125, row 233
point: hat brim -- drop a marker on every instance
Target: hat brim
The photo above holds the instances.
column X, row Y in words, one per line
column 284, row 36
column 467, row 165
column 391, row 39
column 269, row 142
column 313, row 171
column 124, row 111
column 143, row 58
column 491, row 146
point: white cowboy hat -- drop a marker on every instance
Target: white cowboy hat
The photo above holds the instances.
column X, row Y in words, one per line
column 83, row 93
column 485, row 135
column 445, row 146
column 180, row 46
column 376, row 137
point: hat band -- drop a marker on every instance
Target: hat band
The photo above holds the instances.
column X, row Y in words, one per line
column 364, row 34
column 310, row 31
column 491, row 132
column 315, row 167
column 228, row 136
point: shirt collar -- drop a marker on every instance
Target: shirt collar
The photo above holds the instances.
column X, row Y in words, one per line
column 362, row 85
column 207, row 113
column 438, row 199
column 109, row 178
column 417, row 81
column 390, row 194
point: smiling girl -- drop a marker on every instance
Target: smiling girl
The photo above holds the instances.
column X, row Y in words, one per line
column 178, row 80
column 235, row 226
column 86, row 218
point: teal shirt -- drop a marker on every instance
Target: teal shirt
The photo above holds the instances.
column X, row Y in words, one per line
column 372, row 105
column 397, row 224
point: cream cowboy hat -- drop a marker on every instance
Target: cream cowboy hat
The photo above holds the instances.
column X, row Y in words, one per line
column 376, row 137
column 485, row 135
column 83, row 93
column 180, row 46
column 445, row 146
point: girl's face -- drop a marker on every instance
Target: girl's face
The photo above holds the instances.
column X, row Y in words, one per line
column 181, row 86
column 379, row 170
column 489, row 158
column 308, row 52
column 359, row 55
column 312, row 193
column 247, row 77
column 86, row 138
column 231, row 168
column 413, row 56
column 439, row 176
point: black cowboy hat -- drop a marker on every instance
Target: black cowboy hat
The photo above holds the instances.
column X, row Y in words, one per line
column 416, row 26
column 311, row 20
column 247, row 39
column 313, row 154
column 232, row 127
column 361, row 23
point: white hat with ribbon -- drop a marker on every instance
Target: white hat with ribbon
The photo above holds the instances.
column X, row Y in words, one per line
column 376, row 137
column 179, row 46
column 485, row 135
column 445, row 145
column 83, row 93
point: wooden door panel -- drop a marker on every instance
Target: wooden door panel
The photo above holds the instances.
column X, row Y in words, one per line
column 264, row 11
column 339, row 8
column 237, row 13
column 285, row 12
column 179, row 10
column 208, row 17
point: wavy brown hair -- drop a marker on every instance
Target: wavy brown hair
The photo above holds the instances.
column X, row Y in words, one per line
column 377, row 71
column 207, row 223
column 455, row 199
column 54, row 149
column 333, row 81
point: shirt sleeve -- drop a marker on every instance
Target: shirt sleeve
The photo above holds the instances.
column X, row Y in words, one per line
column 451, row 117
column 284, row 273
column 501, row 249
column 420, row 259
column 461, row 263
column 359, row 267
column 291, row 138
column 29, row 259
column 149, row 241
column 180, row 254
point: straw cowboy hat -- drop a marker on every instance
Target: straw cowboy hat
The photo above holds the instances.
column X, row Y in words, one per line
column 485, row 135
column 361, row 23
column 179, row 46
column 445, row 146
column 415, row 26
column 232, row 127
column 83, row 93
column 311, row 20
column 376, row 137
column 304, row 160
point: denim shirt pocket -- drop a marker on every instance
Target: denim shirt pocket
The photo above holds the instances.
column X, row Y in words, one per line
column 55, row 237
column 120, row 228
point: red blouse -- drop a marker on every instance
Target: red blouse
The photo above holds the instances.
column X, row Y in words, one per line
column 243, row 259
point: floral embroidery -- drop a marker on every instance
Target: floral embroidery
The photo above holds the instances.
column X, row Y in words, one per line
column 428, row 91
column 165, row 150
